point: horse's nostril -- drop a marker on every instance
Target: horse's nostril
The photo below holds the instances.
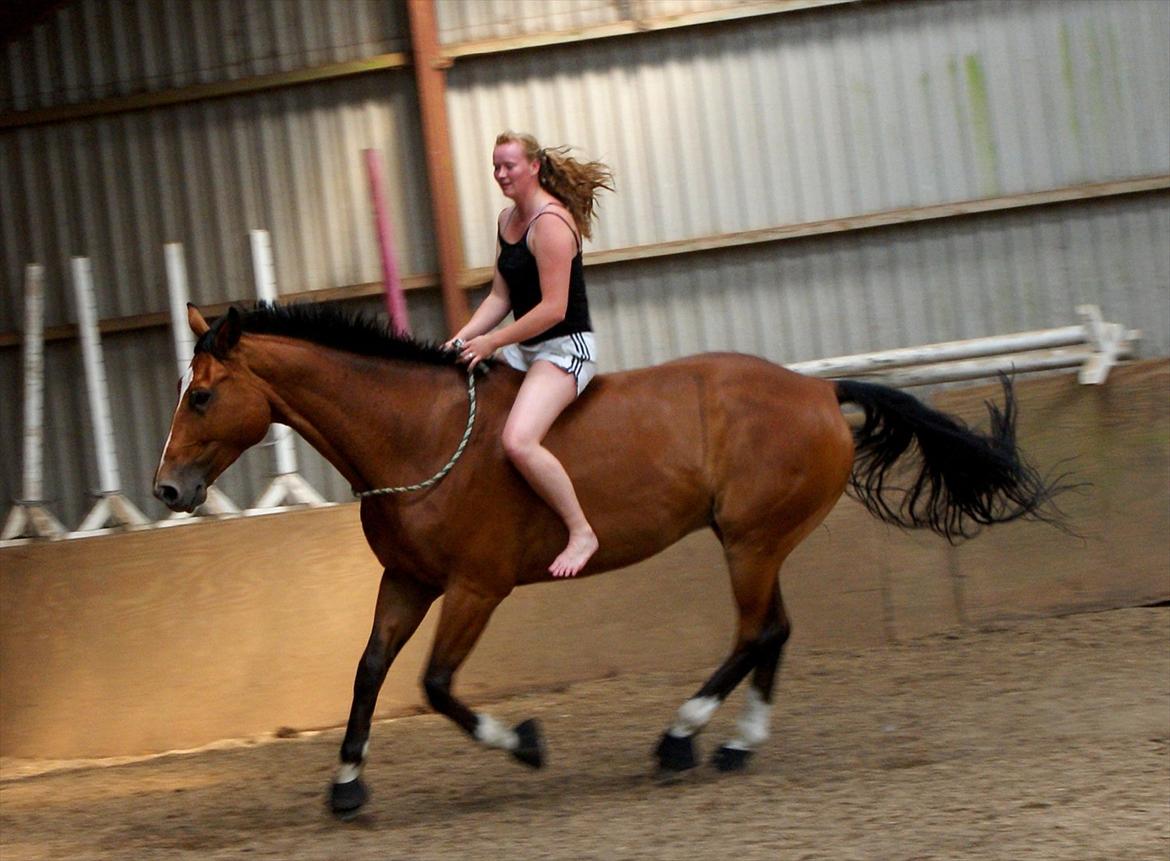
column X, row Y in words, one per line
column 167, row 492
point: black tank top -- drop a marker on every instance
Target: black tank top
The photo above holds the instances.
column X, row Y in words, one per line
column 518, row 268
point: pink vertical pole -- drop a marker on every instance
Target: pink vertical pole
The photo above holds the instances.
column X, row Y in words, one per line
column 395, row 299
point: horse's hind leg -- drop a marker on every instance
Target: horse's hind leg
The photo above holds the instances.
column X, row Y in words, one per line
column 465, row 615
column 402, row 604
column 760, row 635
column 753, row 723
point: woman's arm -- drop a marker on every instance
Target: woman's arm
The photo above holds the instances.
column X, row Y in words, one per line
column 554, row 245
column 494, row 308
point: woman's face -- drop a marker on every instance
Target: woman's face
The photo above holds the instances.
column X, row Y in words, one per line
column 513, row 172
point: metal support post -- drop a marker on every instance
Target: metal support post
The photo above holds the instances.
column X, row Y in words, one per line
column 29, row 517
column 287, row 486
column 112, row 506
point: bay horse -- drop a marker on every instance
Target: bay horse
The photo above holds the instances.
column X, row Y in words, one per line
column 728, row 442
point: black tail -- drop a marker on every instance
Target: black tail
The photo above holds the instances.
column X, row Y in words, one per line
column 966, row 480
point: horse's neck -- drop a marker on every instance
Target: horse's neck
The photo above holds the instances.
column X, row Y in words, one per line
column 362, row 414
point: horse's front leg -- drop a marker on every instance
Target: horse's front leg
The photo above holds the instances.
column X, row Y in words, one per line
column 465, row 615
column 402, row 604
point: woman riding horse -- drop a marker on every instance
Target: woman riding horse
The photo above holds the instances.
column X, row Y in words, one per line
column 733, row 443
column 539, row 278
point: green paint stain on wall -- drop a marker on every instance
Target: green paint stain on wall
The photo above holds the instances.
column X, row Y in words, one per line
column 1099, row 106
column 1070, row 78
column 1115, row 61
column 981, row 133
column 956, row 92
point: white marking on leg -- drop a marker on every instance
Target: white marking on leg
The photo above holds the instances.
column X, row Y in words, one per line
column 753, row 723
column 351, row 771
column 492, row 733
column 693, row 715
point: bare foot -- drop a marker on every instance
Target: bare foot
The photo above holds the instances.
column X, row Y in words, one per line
column 573, row 558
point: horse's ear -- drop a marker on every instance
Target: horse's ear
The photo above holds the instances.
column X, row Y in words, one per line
column 225, row 333
column 195, row 321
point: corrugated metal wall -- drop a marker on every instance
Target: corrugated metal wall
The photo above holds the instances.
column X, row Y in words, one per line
column 830, row 113
column 793, row 118
column 290, row 161
column 895, row 286
column 94, row 49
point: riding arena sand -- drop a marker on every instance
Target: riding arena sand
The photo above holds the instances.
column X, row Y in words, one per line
column 1038, row 739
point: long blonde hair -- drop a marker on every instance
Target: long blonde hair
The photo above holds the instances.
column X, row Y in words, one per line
column 574, row 183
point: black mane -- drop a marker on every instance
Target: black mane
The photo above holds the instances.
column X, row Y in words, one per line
column 329, row 326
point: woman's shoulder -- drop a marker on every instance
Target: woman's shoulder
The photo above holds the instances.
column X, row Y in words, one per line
column 504, row 216
column 555, row 219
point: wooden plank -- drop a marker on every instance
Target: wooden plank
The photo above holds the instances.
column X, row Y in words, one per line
column 430, row 78
column 478, row 277
column 398, row 60
column 884, row 218
column 201, row 92
column 163, row 318
column 475, row 278
column 633, row 27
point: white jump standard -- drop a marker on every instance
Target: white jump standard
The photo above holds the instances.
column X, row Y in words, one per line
column 287, row 487
column 29, row 517
column 112, row 506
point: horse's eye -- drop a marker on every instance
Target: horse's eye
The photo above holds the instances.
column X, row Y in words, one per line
column 199, row 399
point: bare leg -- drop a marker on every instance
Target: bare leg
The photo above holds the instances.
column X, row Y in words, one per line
column 543, row 396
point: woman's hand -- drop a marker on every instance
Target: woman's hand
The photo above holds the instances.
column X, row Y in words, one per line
column 477, row 349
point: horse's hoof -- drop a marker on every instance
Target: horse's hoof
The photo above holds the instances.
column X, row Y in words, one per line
column 676, row 754
column 731, row 758
column 531, row 749
column 346, row 799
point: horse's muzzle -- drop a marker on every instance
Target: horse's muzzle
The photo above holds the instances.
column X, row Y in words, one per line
column 176, row 497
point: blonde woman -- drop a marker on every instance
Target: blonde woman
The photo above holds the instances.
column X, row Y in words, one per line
column 539, row 279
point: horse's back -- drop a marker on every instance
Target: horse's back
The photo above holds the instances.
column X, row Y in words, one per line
column 656, row 453
column 734, row 386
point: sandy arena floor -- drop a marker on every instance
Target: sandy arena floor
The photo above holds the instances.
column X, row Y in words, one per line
column 1043, row 740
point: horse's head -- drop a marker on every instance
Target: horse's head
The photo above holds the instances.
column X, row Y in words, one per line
column 222, row 411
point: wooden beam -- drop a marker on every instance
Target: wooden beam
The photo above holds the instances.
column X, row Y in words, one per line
column 398, row 60
column 475, row 278
column 634, row 26
column 154, row 319
column 430, row 75
column 713, row 242
column 202, row 92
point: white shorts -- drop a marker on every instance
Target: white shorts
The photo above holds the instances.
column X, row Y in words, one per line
column 575, row 354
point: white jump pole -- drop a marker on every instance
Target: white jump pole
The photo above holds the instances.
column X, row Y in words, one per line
column 112, row 505
column 1093, row 347
column 217, row 501
column 28, row 517
column 287, row 486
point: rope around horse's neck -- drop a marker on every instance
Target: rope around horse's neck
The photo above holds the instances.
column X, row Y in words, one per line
column 438, row 476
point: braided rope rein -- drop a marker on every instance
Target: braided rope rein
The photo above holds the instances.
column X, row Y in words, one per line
column 438, row 476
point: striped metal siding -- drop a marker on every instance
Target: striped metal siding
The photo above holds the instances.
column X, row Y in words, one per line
column 830, row 113
column 895, row 286
column 290, row 161
column 94, row 49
